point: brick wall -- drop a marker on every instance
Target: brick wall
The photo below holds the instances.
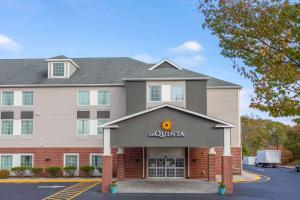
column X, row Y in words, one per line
column 134, row 162
column 46, row 156
column 198, row 162
column 133, row 159
column 237, row 159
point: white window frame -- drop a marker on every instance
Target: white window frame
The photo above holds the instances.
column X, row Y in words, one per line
column 32, row 127
column 7, row 154
column 32, row 98
column 89, row 121
column 149, row 92
column 52, row 70
column 88, row 95
column 1, row 124
column 16, row 158
column 26, row 154
column 98, row 126
column 12, row 98
column 94, row 154
column 183, row 93
column 109, row 98
column 96, row 172
column 78, row 161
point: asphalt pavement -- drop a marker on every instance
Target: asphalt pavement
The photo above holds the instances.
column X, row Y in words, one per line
column 284, row 184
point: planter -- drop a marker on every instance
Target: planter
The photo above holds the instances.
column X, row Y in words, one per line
column 113, row 190
column 222, row 190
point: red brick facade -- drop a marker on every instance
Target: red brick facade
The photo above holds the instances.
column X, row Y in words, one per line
column 134, row 162
column 121, row 166
column 211, row 167
column 107, row 173
column 227, row 167
column 133, row 159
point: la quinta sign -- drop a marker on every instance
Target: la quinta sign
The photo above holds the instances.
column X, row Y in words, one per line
column 166, row 126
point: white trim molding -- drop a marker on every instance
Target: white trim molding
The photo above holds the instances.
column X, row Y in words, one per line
column 221, row 125
column 168, row 61
column 227, row 142
column 106, row 142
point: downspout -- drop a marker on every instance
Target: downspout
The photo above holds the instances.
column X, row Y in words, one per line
column 143, row 162
column 188, row 155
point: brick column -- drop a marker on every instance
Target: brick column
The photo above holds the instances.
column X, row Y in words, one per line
column 121, row 166
column 227, row 174
column 106, row 172
column 212, row 165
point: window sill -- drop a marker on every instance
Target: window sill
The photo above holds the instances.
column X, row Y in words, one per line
column 9, row 137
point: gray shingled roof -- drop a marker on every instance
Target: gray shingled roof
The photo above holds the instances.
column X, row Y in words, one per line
column 92, row 71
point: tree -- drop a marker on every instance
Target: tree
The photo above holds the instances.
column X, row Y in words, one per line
column 262, row 134
column 262, row 38
column 293, row 140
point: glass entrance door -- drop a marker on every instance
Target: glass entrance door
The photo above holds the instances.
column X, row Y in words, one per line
column 166, row 167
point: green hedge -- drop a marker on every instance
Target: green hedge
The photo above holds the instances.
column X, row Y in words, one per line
column 87, row 171
column 70, row 170
column 19, row 171
column 53, row 171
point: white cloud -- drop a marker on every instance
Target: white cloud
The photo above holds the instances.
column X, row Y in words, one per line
column 187, row 47
column 188, row 60
column 8, row 43
column 144, row 58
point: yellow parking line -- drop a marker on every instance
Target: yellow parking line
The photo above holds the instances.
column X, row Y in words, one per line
column 72, row 191
column 48, row 180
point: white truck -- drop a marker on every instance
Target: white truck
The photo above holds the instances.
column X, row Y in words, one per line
column 267, row 158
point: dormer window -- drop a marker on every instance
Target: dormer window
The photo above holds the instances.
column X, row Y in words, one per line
column 58, row 70
column 61, row 67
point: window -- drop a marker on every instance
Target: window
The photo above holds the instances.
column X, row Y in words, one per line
column 26, row 160
column 96, row 161
column 26, row 127
column 83, row 126
column 155, row 92
column 83, row 98
column 100, row 131
column 71, row 160
column 58, row 69
column 6, row 162
column 27, row 98
column 104, row 98
column 177, row 93
column 7, row 98
column 7, row 127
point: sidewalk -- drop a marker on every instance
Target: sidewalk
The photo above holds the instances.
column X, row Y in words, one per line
column 49, row 180
column 244, row 177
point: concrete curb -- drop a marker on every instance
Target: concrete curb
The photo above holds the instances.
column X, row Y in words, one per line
column 48, row 180
column 257, row 178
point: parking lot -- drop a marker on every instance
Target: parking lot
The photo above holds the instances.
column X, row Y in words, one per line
column 283, row 184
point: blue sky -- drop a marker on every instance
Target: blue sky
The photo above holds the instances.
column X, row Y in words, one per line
column 145, row 30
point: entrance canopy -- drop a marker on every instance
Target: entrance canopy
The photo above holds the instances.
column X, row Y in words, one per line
column 166, row 126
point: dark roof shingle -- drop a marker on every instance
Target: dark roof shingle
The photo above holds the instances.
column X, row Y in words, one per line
column 92, row 71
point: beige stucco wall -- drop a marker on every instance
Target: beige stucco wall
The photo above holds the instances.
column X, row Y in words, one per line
column 224, row 104
column 55, row 119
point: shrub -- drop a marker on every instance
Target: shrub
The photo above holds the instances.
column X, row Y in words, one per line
column 19, row 171
column 221, row 185
column 53, row 171
column 36, row 171
column 87, row 171
column 99, row 169
column 4, row 173
column 70, row 170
